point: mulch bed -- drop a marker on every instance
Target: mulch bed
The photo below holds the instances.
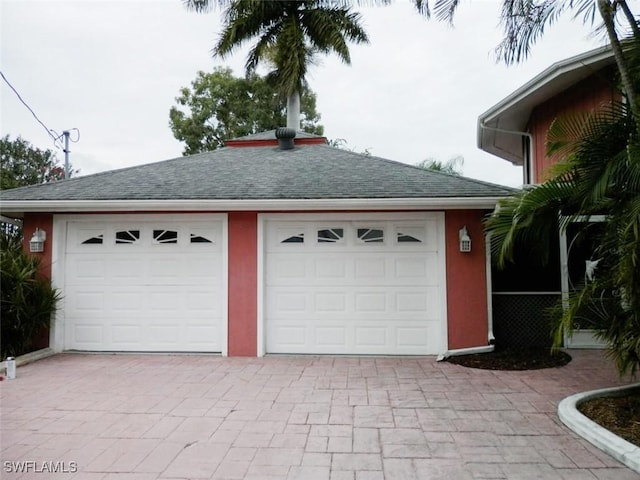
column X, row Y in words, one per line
column 529, row 358
column 620, row 415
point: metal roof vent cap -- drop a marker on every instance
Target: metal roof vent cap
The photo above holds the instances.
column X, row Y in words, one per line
column 285, row 136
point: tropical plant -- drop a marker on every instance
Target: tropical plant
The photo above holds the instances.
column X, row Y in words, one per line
column 524, row 22
column 27, row 299
column 289, row 35
column 599, row 174
column 452, row 166
column 219, row 106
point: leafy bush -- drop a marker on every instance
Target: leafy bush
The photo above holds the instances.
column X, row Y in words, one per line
column 27, row 299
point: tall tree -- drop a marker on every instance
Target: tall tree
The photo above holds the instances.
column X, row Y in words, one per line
column 23, row 164
column 524, row 23
column 219, row 106
column 289, row 34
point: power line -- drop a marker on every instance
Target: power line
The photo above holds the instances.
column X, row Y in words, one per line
column 48, row 130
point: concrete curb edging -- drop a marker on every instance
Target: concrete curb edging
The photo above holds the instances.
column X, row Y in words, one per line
column 623, row 451
column 28, row 358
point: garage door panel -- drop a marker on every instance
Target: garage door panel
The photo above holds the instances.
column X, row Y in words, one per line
column 163, row 292
column 412, row 337
column 126, row 301
column 330, row 336
column 204, row 301
column 328, row 268
column 358, row 294
column 285, row 302
column 164, row 336
column 83, row 270
column 126, row 269
column 412, row 302
column 204, row 267
column 88, row 335
column 368, row 337
column 371, row 268
column 368, row 302
column 126, row 334
column 86, row 301
column 287, row 267
column 333, row 302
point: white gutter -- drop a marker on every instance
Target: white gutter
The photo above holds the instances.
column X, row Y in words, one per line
column 514, row 110
column 80, row 206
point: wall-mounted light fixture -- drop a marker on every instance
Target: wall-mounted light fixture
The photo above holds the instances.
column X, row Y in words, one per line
column 36, row 244
column 465, row 240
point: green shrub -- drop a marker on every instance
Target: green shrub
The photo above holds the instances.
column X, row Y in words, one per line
column 27, row 300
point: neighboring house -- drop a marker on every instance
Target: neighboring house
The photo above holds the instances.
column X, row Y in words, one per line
column 255, row 249
column 515, row 129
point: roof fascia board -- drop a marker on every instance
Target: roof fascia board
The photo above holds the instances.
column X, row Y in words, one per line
column 61, row 206
column 547, row 76
column 512, row 112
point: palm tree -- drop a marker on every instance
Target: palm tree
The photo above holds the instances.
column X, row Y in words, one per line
column 600, row 174
column 289, row 34
column 453, row 166
column 524, row 21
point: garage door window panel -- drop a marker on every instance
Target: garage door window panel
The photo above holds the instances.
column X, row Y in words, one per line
column 165, row 237
column 370, row 235
column 195, row 238
column 297, row 238
column 331, row 235
column 95, row 240
column 127, row 237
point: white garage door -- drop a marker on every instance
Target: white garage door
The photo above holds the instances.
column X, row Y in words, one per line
column 147, row 283
column 371, row 285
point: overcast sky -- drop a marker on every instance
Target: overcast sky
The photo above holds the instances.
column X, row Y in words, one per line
column 112, row 69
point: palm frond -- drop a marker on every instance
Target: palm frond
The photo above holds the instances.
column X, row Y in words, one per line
column 524, row 22
column 445, row 9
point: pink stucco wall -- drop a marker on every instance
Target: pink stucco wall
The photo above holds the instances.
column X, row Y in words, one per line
column 587, row 95
column 466, row 278
column 466, row 281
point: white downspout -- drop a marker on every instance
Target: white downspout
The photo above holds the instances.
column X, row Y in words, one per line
column 487, row 250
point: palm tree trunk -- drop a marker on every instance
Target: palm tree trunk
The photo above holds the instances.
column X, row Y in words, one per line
column 293, row 111
column 630, row 18
column 606, row 12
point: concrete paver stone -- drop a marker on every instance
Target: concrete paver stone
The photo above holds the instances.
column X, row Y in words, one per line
column 175, row 417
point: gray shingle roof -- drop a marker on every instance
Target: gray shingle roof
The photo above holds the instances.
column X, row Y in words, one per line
column 256, row 173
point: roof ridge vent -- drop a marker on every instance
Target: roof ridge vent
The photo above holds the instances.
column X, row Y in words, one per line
column 285, row 136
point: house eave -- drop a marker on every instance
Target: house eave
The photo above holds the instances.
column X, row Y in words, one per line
column 512, row 113
column 18, row 207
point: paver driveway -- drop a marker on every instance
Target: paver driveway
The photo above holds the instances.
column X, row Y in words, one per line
column 144, row 417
